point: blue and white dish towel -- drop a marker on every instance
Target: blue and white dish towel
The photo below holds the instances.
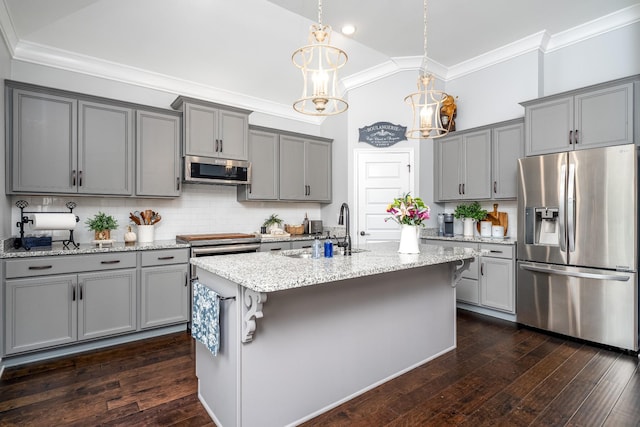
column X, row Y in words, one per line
column 205, row 318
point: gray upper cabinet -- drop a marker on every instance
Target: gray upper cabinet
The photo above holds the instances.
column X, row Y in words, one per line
column 507, row 147
column 263, row 155
column 62, row 145
column 44, row 143
column 463, row 166
column 61, row 142
column 158, row 154
column 305, row 169
column 105, row 149
column 596, row 116
column 213, row 130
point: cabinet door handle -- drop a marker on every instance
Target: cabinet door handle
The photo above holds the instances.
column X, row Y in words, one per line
column 495, row 187
column 482, row 269
column 80, row 292
column 79, row 178
column 186, row 280
column 249, row 188
column 73, row 178
column 178, row 183
column 463, row 189
column 570, row 137
column 576, row 137
column 115, row 261
column 459, row 188
column 73, row 294
column 221, row 146
column 165, row 258
column 40, row 267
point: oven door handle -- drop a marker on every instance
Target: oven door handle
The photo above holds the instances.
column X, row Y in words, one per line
column 224, row 249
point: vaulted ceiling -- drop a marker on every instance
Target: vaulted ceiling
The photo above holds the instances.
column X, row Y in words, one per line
column 239, row 51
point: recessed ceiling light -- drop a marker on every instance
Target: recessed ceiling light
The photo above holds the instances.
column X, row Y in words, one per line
column 348, row 29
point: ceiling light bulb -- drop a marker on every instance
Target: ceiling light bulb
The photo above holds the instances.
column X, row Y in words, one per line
column 348, row 29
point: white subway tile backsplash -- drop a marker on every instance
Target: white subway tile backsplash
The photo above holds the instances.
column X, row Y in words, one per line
column 200, row 209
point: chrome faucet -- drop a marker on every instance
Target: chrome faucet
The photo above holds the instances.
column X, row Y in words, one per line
column 341, row 221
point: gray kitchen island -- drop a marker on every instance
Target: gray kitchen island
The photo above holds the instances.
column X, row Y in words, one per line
column 299, row 336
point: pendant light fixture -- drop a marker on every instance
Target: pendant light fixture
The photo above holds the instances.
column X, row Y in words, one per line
column 319, row 63
column 426, row 102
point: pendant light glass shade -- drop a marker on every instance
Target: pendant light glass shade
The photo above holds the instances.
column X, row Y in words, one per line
column 426, row 103
column 319, row 63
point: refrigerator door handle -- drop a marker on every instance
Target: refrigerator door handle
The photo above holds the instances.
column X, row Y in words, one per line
column 561, row 210
column 571, row 208
column 579, row 274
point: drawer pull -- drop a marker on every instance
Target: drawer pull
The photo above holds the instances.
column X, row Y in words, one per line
column 495, row 252
column 115, row 261
column 165, row 258
column 275, row 249
column 40, row 267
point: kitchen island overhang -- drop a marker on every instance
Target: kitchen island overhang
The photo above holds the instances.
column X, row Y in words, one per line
column 304, row 335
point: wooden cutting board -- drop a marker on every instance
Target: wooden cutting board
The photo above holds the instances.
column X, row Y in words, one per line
column 498, row 218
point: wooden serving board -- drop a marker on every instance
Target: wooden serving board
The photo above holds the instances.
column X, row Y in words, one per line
column 498, row 218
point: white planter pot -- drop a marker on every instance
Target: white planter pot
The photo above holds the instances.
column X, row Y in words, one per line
column 469, row 225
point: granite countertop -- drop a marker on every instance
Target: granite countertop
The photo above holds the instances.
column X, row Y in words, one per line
column 271, row 272
column 88, row 248
column 505, row 241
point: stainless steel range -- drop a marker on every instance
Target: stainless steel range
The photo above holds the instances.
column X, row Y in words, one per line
column 220, row 243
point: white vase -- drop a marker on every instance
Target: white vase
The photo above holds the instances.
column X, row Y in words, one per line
column 409, row 239
column 469, row 225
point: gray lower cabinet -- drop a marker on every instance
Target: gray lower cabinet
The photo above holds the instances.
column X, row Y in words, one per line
column 158, row 168
column 596, row 116
column 52, row 301
column 305, row 169
column 463, row 166
column 489, row 281
column 497, row 277
column 164, row 287
column 281, row 246
column 213, row 130
column 507, row 146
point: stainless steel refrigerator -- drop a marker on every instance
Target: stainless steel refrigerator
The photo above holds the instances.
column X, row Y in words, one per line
column 578, row 244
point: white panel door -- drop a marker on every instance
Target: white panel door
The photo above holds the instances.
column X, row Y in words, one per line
column 381, row 176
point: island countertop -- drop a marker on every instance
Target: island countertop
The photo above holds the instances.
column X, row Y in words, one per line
column 271, row 272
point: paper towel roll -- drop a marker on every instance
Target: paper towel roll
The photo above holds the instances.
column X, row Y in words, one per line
column 54, row 221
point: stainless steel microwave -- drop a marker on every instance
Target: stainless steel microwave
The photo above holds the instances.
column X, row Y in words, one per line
column 212, row 170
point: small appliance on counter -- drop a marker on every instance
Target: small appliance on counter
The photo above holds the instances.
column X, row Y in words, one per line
column 315, row 227
column 448, row 225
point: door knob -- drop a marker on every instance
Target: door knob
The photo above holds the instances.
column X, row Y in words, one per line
column 362, row 233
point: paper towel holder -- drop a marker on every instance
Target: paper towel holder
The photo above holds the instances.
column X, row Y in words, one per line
column 20, row 243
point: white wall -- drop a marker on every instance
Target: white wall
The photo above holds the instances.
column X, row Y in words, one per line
column 609, row 56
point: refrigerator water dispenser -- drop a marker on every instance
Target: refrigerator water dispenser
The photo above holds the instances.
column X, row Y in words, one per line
column 542, row 226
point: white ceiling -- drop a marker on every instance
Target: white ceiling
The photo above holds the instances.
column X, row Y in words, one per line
column 239, row 51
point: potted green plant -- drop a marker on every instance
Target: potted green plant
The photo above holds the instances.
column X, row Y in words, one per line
column 102, row 224
column 272, row 222
column 470, row 214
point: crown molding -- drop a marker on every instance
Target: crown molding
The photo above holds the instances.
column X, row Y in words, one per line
column 78, row 63
column 7, row 29
column 70, row 61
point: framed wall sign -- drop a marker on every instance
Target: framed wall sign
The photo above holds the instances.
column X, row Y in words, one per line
column 382, row 134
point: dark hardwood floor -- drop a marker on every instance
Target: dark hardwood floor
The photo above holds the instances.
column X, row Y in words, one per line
column 499, row 375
